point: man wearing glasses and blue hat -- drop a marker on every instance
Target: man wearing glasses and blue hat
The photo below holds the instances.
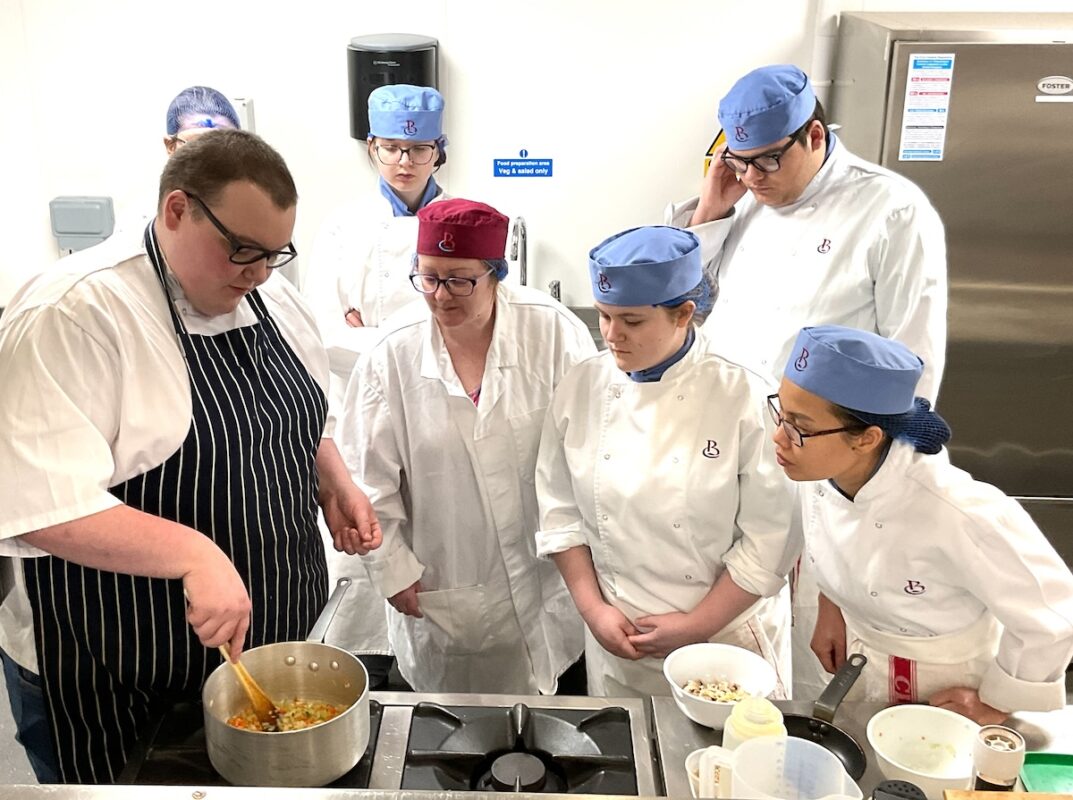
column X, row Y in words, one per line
column 798, row 231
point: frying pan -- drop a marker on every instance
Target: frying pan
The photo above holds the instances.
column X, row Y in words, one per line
column 818, row 727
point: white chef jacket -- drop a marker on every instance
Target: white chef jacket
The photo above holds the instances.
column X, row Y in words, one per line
column 862, row 247
column 924, row 551
column 668, row 483
column 96, row 392
column 361, row 259
column 452, row 484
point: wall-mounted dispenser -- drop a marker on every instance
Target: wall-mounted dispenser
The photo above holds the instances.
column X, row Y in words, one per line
column 385, row 59
column 80, row 222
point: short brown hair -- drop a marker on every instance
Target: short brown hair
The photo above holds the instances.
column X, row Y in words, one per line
column 212, row 161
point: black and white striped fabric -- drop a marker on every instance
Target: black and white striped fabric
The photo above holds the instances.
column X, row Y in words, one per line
column 111, row 646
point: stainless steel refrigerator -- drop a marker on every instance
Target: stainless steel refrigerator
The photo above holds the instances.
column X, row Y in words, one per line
column 977, row 109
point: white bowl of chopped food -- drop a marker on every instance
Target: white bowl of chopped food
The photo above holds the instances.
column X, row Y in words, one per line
column 707, row 679
column 925, row 745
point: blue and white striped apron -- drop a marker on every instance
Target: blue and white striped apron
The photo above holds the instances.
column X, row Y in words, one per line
column 112, row 647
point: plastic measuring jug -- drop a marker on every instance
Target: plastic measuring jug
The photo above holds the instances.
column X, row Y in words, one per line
column 788, row 768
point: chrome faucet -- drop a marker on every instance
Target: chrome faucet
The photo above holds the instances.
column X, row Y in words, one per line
column 519, row 249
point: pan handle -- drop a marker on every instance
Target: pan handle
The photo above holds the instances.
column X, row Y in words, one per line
column 827, row 703
column 320, row 627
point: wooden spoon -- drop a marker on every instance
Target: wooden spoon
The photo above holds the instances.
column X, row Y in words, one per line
column 263, row 708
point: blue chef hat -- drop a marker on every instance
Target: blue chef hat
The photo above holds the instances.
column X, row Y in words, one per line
column 403, row 111
column 645, row 266
column 766, row 105
column 872, row 377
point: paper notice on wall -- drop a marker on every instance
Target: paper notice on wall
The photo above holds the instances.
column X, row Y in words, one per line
column 927, row 105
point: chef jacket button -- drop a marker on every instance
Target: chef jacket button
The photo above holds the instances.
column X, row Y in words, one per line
column 604, row 517
column 387, row 274
column 689, row 577
column 763, row 361
column 819, row 492
column 677, row 525
column 874, row 594
column 904, row 630
column 607, row 456
column 675, row 459
column 681, row 397
column 879, row 524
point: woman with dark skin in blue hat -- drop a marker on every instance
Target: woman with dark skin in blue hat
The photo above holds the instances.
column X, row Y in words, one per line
column 944, row 582
column 660, row 500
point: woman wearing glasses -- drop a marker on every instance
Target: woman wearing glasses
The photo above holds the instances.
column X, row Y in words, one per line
column 441, row 424
column 946, row 584
column 357, row 279
column 660, row 499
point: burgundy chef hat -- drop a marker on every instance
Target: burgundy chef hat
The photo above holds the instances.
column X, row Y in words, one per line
column 460, row 228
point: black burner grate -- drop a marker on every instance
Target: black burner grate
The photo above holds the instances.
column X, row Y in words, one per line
column 173, row 753
column 464, row 748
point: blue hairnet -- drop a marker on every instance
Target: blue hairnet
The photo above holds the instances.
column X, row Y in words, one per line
column 701, row 295
column 200, row 101
column 921, row 427
column 498, row 264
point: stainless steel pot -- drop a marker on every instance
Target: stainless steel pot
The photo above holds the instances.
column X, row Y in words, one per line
column 310, row 670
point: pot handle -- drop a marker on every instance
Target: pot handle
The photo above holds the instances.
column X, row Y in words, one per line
column 320, row 627
column 827, row 703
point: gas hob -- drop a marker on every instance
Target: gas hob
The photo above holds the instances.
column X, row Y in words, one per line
column 454, row 742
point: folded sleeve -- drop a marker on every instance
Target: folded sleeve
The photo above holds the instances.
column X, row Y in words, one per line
column 560, row 518
column 368, row 442
column 59, row 411
column 766, row 545
column 1008, row 563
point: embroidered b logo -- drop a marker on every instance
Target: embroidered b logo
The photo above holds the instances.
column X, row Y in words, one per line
column 914, row 587
column 802, row 360
column 447, row 243
column 825, row 247
column 711, row 449
column 603, row 284
column 409, row 127
column 740, row 134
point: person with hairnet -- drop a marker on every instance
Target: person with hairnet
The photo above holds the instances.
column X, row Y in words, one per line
column 660, row 499
column 440, row 425
column 357, row 278
column 194, row 111
column 946, row 584
column 796, row 230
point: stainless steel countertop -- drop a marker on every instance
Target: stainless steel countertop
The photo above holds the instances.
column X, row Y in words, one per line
column 677, row 736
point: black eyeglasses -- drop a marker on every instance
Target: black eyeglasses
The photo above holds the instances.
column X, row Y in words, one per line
column 793, row 433
column 419, row 154
column 765, row 162
column 459, row 287
column 246, row 254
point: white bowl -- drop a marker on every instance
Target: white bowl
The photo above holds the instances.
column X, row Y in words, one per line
column 925, row 745
column 709, row 661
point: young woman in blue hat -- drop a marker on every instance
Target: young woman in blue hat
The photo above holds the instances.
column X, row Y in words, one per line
column 944, row 582
column 357, row 278
column 660, row 499
column 441, row 424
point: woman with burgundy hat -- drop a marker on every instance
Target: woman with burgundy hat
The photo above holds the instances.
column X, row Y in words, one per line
column 441, row 425
column 944, row 582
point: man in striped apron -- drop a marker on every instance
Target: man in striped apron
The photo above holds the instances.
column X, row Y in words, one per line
column 164, row 431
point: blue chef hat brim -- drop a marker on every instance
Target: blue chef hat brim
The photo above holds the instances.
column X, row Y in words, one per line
column 402, row 111
column 855, row 369
column 645, row 266
column 767, row 105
